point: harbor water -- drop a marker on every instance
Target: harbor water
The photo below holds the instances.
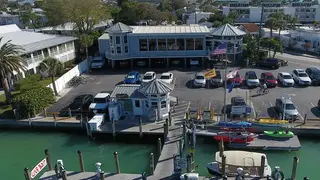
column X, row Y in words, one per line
column 21, row 149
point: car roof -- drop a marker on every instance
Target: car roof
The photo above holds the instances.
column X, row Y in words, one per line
column 238, row 98
column 166, row 74
column 284, row 73
column 286, row 101
column 314, row 69
column 300, row 70
column 149, row 73
column 102, row 95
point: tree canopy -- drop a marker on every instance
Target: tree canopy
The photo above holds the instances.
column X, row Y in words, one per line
column 31, row 19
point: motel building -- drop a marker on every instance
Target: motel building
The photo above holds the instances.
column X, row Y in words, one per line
column 167, row 46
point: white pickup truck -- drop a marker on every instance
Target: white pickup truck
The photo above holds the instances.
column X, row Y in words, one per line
column 239, row 107
column 100, row 102
column 97, row 62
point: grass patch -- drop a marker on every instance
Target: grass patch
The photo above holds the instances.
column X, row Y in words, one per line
column 6, row 109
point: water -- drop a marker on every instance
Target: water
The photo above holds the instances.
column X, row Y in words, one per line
column 20, row 149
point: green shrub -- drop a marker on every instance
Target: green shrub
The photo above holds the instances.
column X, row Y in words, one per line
column 33, row 101
column 29, row 82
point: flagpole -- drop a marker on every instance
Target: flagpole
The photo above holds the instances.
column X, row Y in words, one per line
column 225, row 90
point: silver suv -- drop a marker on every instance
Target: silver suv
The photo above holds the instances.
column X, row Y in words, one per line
column 287, row 109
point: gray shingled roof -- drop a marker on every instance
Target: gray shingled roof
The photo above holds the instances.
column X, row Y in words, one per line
column 130, row 89
column 119, row 27
column 156, row 86
column 227, row 30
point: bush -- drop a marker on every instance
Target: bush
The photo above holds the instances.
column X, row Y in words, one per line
column 28, row 83
column 32, row 101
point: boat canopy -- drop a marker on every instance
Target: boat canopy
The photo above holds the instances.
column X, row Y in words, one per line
column 242, row 158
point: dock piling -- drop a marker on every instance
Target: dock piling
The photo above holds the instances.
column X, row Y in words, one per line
column 188, row 163
column 159, row 147
column 48, row 159
column 113, row 128
column 116, row 159
column 102, row 175
column 81, row 161
column 294, row 168
column 64, row 175
column 151, row 163
column 165, row 129
column 27, row 174
column 223, row 168
column 69, row 112
column 140, row 127
column 305, row 118
column 192, row 162
column 180, row 147
column 263, row 161
column 221, row 148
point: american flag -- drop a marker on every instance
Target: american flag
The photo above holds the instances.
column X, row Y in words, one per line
column 221, row 49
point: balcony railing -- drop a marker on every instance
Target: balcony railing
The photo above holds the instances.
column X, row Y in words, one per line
column 38, row 58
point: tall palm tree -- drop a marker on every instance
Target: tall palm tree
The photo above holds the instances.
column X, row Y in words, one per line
column 10, row 60
column 52, row 67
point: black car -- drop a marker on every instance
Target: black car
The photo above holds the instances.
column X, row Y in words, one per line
column 80, row 104
column 273, row 63
column 314, row 74
column 217, row 81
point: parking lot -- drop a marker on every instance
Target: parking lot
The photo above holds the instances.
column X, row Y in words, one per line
column 305, row 98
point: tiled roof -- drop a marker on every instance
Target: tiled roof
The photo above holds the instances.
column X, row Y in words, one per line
column 119, row 27
column 181, row 29
column 129, row 89
column 156, row 86
column 251, row 27
column 227, row 30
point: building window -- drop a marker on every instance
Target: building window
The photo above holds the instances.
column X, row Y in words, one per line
column 53, row 50
column 171, row 44
column 143, row 44
column 152, row 44
column 190, row 44
column 163, row 104
column 162, row 45
column 118, row 50
column 137, row 103
column 126, row 49
column 117, row 39
column 147, row 104
column 125, row 39
column 45, row 52
column 154, row 104
column 180, row 44
column 198, row 44
column 62, row 48
column 112, row 50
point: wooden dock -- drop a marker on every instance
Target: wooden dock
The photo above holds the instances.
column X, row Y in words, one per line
column 72, row 175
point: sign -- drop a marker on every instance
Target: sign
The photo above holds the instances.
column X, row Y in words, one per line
column 122, row 96
column 38, row 168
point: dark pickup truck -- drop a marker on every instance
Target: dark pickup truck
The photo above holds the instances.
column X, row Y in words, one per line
column 269, row 63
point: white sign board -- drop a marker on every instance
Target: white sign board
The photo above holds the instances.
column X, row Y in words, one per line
column 38, row 168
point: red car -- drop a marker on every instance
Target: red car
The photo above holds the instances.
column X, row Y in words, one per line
column 269, row 79
column 236, row 78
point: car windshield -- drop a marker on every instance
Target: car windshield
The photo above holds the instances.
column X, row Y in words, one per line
column 130, row 76
column 239, row 103
column 290, row 107
column 200, row 77
column 303, row 75
column 252, row 76
column 147, row 77
column 287, row 77
column 99, row 100
column 165, row 77
column 270, row 77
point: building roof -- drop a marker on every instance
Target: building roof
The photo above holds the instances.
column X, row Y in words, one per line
column 31, row 41
column 193, row 28
column 70, row 26
column 131, row 90
column 104, row 36
column 227, row 30
column 251, row 27
column 119, row 27
column 156, row 86
column 238, row 158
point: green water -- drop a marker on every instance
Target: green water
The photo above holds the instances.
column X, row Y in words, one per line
column 21, row 149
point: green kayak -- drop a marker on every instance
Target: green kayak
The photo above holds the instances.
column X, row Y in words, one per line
column 280, row 134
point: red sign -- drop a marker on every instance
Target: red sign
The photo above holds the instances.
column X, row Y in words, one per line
column 38, row 168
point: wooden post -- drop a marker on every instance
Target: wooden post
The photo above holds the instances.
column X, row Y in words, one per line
column 294, row 168
column 151, row 163
column 102, row 175
column 27, row 174
column 116, row 159
column 166, row 129
column 305, row 119
column 54, row 117
column 167, row 122
column 64, row 175
column 262, row 166
column 192, row 162
column 69, row 111
column 113, row 128
column 159, row 147
column 81, row 161
column 140, row 127
column 223, row 168
column 221, row 148
column 48, row 159
column 188, row 163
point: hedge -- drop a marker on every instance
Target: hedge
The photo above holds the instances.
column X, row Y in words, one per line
column 32, row 102
column 28, row 83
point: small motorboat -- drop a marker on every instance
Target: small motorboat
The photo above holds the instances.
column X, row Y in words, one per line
column 235, row 137
column 279, row 134
column 234, row 124
column 249, row 162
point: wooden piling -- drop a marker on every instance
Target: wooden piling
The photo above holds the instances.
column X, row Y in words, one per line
column 305, row 119
column 64, row 175
column 140, row 127
column 192, row 162
column 81, row 161
column 151, row 163
column 223, row 168
column 221, row 148
column 167, row 122
column 113, row 128
column 294, row 168
column 27, row 174
column 180, row 147
column 102, row 175
column 188, row 163
column 262, row 166
column 159, row 147
column 165, row 129
column 116, row 159
column 48, row 159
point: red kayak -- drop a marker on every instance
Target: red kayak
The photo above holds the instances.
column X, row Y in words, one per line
column 231, row 137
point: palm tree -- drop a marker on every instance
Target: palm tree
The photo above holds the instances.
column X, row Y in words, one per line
column 276, row 46
column 251, row 48
column 292, row 21
column 9, row 61
column 52, row 67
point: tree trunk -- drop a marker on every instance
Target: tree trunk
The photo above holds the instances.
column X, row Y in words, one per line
column 87, row 53
column 5, row 85
column 279, row 33
column 54, row 86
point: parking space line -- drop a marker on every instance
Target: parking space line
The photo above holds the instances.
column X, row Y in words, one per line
column 312, row 104
column 300, row 115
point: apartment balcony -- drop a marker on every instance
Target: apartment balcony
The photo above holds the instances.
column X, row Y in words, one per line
column 38, row 58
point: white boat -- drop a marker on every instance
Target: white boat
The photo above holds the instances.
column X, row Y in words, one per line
column 250, row 162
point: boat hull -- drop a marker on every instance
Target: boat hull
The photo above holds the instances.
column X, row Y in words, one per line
column 234, row 139
column 280, row 134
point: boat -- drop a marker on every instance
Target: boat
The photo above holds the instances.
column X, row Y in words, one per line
column 238, row 129
column 270, row 123
column 235, row 137
column 234, row 124
column 279, row 134
column 250, row 162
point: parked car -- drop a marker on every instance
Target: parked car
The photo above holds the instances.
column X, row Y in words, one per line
column 97, row 62
column 252, row 79
column 148, row 76
column 80, row 104
column 314, row 74
column 286, row 109
column 167, row 77
column 237, row 79
column 199, row 80
column 239, row 107
column 132, row 77
column 285, row 79
column 301, row 77
column 217, row 81
column 269, row 79
column 273, row 63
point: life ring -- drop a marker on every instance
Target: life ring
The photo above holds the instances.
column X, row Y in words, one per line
column 273, row 175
